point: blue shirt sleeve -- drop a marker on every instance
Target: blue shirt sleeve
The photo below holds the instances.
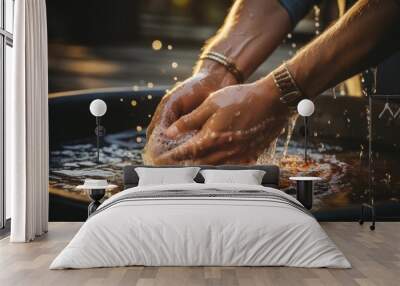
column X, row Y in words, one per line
column 298, row 9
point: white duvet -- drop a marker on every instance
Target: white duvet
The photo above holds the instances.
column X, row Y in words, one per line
column 200, row 231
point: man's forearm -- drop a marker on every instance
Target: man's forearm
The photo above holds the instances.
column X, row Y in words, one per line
column 251, row 32
column 365, row 35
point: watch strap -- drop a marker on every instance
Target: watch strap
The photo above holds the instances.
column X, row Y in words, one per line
column 290, row 92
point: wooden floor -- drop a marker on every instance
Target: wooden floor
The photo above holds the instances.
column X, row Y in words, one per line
column 375, row 257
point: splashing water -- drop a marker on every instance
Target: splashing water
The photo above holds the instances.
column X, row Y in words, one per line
column 317, row 23
column 290, row 128
column 292, row 45
column 361, row 151
column 388, row 178
column 270, row 154
column 334, row 92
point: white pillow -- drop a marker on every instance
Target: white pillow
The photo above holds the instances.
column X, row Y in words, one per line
column 248, row 177
column 165, row 176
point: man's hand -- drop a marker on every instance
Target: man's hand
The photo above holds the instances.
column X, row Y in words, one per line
column 244, row 40
column 233, row 125
column 182, row 99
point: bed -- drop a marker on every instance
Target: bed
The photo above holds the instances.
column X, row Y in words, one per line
column 198, row 224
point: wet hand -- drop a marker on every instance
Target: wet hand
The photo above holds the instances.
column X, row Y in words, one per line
column 233, row 125
column 182, row 99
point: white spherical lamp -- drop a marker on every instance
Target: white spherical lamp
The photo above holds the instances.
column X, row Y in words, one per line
column 305, row 108
column 98, row 107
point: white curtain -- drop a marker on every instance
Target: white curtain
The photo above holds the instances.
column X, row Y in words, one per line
column 27, row 124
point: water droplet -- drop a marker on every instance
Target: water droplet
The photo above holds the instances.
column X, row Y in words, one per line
column 149, row 96
column 289, row 36
column 156, row 45
column 133, row 102
column 174, row 65
column 121, row 99
column 316, row 10
column 139, row 128
column 316, row 19
column 149, row 115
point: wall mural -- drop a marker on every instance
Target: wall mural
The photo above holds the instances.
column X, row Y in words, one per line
column 130, row 57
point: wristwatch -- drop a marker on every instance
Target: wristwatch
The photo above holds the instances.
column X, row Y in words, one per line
column 291, row 95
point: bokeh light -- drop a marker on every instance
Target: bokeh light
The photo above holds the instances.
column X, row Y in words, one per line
column 156, row 45
column 180, row 3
